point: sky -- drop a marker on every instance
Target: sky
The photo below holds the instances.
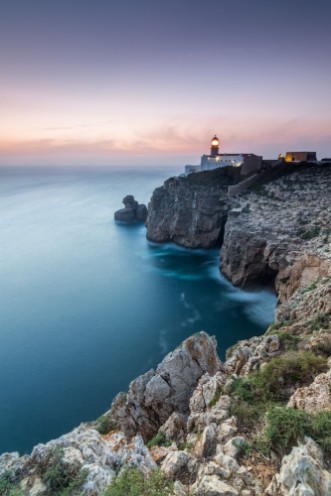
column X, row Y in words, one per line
column 149, row 82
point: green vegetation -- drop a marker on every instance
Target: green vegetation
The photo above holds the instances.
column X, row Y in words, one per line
column 105, row 424
column 217, row 396
column 281, row 373
column 59, row 478
column 159, row 440
column 322, row 321
column 323, row 348
column 307, row 234
column 278, row 375
column 132, row 483
column 185, row 446
column 286, row 425
column 8, row 485
column 289, row 341
column 251, row 397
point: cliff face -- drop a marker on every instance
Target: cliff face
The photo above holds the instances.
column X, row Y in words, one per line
column 281, row 231
column 191, row 211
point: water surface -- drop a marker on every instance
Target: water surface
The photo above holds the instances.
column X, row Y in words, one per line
column 87, row 304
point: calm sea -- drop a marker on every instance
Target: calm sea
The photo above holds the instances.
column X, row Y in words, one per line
column 87, row 305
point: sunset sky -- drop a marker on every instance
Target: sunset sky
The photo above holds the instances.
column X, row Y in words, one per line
column 149, row 81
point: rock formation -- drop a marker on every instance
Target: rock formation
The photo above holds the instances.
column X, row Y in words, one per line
column 191, row 211
column 281, row 231
column 132, row 211
column 154, row 396
column 212, row 427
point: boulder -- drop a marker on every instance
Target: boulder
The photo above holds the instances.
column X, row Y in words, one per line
column 315, row 397
column 211, row 485
column 206, row 444
column 154, row 396
column 302, row 473
column 132, row 211
column 174, row 463
column 175, row 428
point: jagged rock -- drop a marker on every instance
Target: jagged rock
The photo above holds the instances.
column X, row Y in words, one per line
column 302, row 473
column 212, row 468
column 266, row 242
column 175, row 464
column 85, row 451
column 154, row 396
column 160, row 452
column 226, row 430
column 315, row 397
column 206, row 406
column 227, row 462
column 211, row 485
column 249, row 354
column 206, row 391
column 175, row 428
column 180, row 489
column 233, row 447
column 206, row 445
column 132, row 211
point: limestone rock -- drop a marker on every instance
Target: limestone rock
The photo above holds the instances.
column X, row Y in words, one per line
column 267, row 242
column 226, row 430
column 211, row 485
column 233, row 447
column 206, row 445
column 315, row 397
column 154, row 396
column 85, row 451
column 132, row 211
column 175, row 463
column 302, row 473
column 175, row 428
column 191, row 211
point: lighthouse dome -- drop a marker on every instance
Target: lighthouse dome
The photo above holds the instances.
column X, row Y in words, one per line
column 215, row 141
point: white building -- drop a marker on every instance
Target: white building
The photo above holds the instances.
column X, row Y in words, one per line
column 248, row 161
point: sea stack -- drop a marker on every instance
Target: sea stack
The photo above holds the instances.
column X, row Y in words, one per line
column 132, row 211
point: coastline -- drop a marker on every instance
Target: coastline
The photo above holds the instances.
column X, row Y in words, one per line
column 208, row 413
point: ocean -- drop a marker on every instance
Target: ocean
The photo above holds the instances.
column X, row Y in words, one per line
column 87, row 304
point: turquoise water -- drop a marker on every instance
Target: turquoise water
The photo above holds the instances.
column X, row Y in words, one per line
column 87, row 305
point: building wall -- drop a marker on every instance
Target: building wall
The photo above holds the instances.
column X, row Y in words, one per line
column 236, row 189
column 252, row 163
column 300, row 157
column 209, row 163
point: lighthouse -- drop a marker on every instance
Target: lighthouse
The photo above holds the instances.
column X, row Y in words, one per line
column 215, row 149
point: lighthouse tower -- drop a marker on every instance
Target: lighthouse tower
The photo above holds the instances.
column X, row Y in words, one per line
column 214, row 150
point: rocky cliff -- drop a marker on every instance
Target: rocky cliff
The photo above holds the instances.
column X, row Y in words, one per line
column 257, row 424
column 281, row 231
column 191, row 211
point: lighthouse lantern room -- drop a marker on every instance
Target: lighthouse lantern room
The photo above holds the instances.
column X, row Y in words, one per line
column 214, row 150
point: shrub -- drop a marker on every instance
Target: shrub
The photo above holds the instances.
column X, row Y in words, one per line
column 288, row 340
column 132, row 483
column 8, row 485
column 245, row 404
column 294, row 368
column 105, row 424
column 159, row 440
column 322, row 321
column 322, row 348
column 217, row 396
column 61, row 479
column 308, row 234
column 286, row 425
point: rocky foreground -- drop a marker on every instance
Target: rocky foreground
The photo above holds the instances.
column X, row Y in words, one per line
column 257, row 424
